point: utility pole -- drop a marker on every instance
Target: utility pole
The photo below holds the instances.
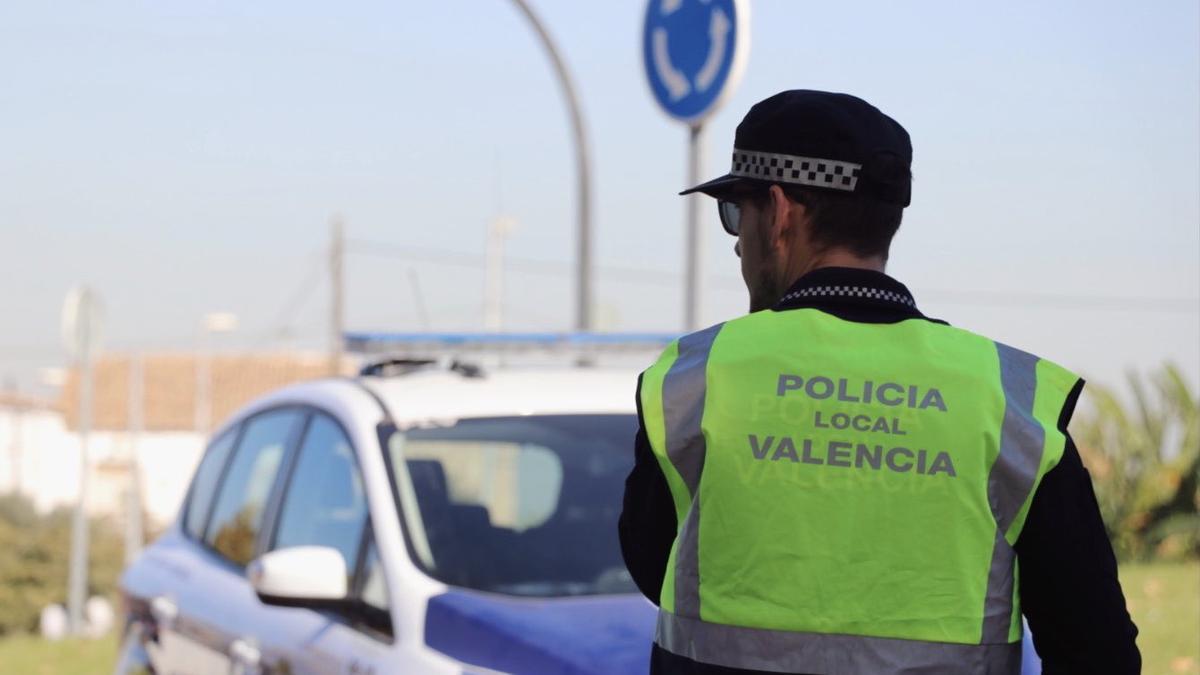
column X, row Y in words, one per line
column 81, row 319
column 137, row 401
column 16, row 415
column 77, row 584
column 493, row 291
column 337, row 319
column 213, row 322
column 203, row 386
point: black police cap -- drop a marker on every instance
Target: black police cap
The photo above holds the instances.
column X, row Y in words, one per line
column 818, row 139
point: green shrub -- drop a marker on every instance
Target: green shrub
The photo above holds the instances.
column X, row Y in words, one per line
column 1144, row 458
column 34, row 555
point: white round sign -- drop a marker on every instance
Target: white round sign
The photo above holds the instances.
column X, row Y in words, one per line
column 82, row 319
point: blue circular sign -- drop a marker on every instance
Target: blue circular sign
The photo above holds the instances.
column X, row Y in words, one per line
column 693, row 52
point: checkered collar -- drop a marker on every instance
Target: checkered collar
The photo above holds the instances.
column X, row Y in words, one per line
column 843, row 285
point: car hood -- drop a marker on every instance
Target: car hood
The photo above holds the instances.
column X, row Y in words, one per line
column 596, row 634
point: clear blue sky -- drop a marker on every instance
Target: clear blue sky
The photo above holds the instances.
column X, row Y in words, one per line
column 187, row 157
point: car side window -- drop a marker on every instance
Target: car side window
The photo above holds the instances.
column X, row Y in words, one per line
column 325, row 503
column 374, row 592
column 242, row 498
column 205, row 482
column 371, row 591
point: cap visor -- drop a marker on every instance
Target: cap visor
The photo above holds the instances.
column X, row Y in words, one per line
column 715, row 187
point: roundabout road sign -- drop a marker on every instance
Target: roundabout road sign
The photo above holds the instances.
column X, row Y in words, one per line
column 694, row 52
column 82, row 322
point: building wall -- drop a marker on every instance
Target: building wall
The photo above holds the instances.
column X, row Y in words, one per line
column 40, row 457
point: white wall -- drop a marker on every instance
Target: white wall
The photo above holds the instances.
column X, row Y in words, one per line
column 40, row 457
column 166, row 462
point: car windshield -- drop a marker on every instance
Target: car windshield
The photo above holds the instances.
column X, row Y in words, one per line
column 518, row 505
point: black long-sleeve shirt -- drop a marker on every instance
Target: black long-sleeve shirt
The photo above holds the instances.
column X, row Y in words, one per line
column 1069, row 590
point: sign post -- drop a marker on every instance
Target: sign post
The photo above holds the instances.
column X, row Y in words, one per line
column 81, row 319
column 694, row 53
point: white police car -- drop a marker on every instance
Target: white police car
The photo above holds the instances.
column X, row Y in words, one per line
column 441, row 521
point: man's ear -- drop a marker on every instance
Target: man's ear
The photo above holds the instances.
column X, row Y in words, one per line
column 784, row 217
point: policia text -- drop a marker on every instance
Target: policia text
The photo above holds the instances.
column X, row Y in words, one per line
column 856, row 455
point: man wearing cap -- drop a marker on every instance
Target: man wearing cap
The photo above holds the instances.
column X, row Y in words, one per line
column 836, row 483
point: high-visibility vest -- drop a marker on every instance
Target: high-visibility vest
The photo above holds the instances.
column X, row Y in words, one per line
column 848, row 494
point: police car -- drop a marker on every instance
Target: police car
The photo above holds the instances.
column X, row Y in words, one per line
column 422, row 518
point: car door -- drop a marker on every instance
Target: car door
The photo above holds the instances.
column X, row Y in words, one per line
column 172, row 564
column 324, row 503
column 213, row 606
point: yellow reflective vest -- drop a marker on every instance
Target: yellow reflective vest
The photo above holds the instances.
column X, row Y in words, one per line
column 848, row 494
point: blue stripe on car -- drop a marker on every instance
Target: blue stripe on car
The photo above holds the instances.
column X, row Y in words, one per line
column 571, row 636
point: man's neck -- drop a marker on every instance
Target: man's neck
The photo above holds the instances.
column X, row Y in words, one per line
column 840, row 258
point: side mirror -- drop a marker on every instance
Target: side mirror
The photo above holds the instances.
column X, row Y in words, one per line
column 300, row 576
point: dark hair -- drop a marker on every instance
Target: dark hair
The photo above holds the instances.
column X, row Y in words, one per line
column 864, row 226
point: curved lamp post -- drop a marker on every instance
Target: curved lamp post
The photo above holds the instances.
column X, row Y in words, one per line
column 583, row 298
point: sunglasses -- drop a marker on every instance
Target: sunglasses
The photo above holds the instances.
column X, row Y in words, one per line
column 731, row 212
column 731, row 216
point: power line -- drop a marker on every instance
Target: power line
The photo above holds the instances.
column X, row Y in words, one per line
column 285, row 317
column 667, row 278
column 1056, row 301
column 527, row 265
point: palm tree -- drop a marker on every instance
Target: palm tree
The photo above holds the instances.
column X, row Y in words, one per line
column 1144, row 456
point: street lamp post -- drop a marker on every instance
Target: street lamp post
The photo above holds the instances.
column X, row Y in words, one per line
column 583, row 297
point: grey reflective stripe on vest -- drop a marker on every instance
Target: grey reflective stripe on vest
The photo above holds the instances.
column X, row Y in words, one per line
column 998, row 603
column 687, row 564
column 792, row 652
column 683, row 392
column 1010, row 481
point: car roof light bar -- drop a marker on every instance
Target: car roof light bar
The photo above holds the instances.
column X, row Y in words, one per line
column 426, row 343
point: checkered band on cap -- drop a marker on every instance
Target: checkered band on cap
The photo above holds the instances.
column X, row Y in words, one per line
column 812, row 171
column 851, row 292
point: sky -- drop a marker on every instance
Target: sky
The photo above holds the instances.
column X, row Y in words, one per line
column 186, row 158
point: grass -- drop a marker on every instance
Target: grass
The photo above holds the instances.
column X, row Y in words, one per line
column 35, row 656
column 1164, row 599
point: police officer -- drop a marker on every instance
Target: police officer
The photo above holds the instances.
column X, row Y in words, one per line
column 836, row 483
